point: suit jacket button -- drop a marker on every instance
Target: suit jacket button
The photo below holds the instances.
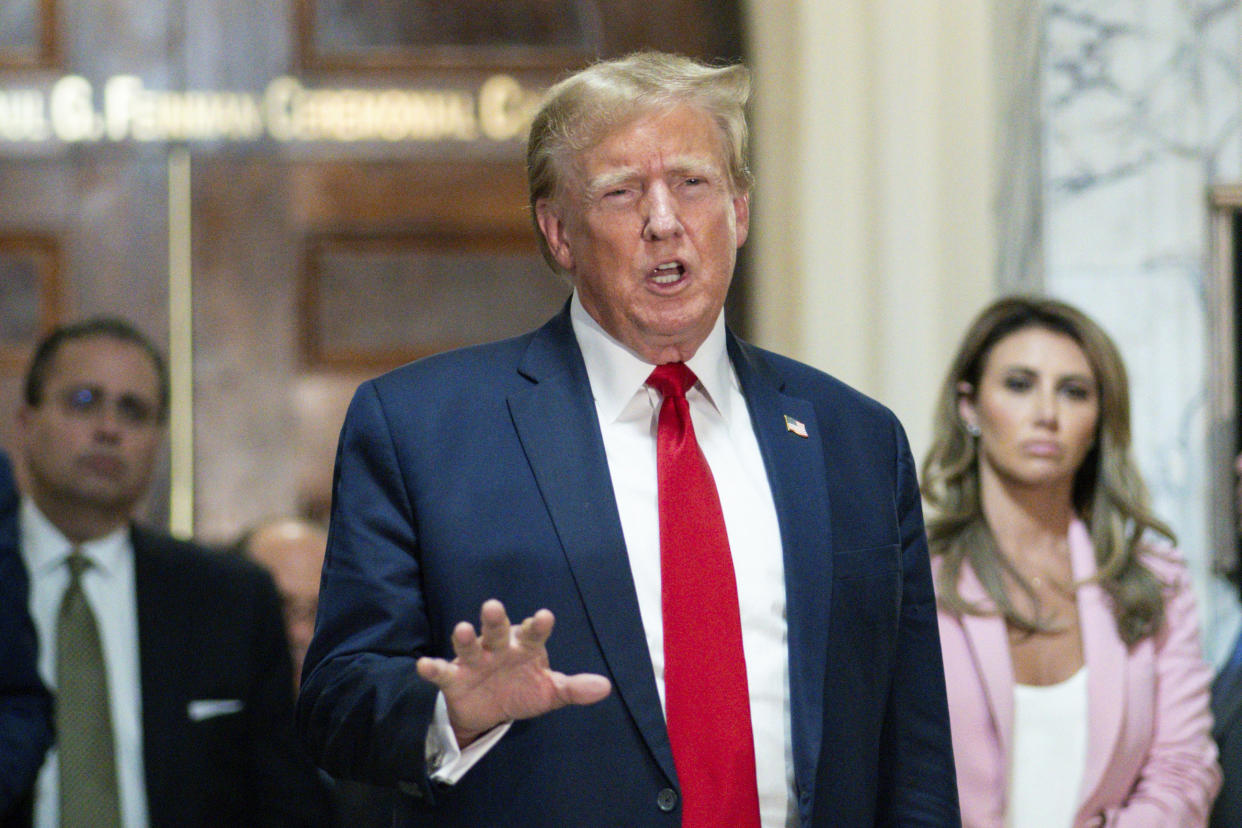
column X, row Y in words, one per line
column 667, row 799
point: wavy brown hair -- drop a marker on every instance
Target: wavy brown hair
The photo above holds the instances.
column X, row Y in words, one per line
column 1108, row 493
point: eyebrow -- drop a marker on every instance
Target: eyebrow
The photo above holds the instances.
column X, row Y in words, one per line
column 678, row 166
column 604, row 182
column 1061, row 378
column 683, row 164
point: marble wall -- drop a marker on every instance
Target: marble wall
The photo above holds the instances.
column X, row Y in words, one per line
column 1141, row 106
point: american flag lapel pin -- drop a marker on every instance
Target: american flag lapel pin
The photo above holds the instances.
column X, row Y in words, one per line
column 795, row 426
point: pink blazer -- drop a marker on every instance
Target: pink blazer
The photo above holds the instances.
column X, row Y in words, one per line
column 1151, row 760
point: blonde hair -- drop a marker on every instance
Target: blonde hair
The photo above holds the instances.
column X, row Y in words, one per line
column 585, row 107
column 1108, row 492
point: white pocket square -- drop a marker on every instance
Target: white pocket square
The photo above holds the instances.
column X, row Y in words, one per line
column 201, row 709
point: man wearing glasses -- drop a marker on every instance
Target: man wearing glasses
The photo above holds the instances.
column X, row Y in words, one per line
column 168, row 662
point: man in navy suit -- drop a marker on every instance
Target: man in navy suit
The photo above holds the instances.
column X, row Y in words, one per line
column 521, row 477
column 25, row 706
column 194, row 659
column 1227, row 712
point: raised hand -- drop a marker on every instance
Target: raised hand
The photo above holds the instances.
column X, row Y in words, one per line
column 503, row 674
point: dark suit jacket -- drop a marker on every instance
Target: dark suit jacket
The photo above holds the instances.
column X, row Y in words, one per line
column 25, row 706
column 210, row 630
column 481, row 473
column 1227, row 730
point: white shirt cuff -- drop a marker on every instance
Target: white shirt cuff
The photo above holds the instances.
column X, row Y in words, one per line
column 446, row 762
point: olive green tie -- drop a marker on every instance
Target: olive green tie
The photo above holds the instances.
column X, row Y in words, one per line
column 88, row 784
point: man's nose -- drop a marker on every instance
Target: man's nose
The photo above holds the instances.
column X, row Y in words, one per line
column 107, row 424
column 661, row 221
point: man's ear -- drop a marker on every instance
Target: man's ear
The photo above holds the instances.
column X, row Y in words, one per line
column 553, row 228
column 741, row 217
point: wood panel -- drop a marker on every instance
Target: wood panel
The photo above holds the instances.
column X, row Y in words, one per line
column 28, row 34
column 379, row 300
column 340, row 35
column 30, row 295
column 433, row 237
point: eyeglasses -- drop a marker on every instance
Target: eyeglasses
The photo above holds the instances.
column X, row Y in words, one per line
column 91, row 401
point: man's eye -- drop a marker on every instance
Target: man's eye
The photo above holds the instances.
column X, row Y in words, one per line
column 82, row 399
column 135, row 411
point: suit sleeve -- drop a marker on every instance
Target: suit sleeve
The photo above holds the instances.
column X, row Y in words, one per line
column 25, row 705
column 1180, row 777
column 1227, row 710
column 363, row 710
column 917, row 781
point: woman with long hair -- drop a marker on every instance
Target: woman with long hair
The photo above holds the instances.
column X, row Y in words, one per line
column 1078, row 693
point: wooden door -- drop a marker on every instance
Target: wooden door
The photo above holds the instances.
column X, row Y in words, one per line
column 356, row 198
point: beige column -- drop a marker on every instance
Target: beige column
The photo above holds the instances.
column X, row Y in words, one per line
column 874, row 233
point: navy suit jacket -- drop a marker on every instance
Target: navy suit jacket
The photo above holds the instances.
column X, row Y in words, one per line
column 1227, row 730
column 25, row 706
column 210, row 632
column 481, row 474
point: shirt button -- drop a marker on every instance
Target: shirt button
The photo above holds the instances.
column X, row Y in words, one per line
column 666, row 799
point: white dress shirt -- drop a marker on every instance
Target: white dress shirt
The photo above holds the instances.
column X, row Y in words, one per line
column 628, row 414
column 109, row 588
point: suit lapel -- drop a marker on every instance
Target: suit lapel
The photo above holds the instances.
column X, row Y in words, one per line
column 558, row 427
column 989, row 647
column 1105, row 656
column 159, row 713
column 1103, row 652
column 798, row 478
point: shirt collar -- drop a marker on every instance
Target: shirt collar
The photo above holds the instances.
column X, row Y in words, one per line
column 616, row 373
column 44, row 547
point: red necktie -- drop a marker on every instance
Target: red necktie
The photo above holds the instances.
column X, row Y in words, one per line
column 706, row 700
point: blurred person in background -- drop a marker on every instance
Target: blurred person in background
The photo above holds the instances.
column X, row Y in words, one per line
column 168, row 661
column 292, row 550
column 1078, row 692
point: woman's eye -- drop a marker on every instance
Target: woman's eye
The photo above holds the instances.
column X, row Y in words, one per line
column 1077, row 392
column 1017, row 383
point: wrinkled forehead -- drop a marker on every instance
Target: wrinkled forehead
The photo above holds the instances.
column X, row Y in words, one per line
column 605, row 148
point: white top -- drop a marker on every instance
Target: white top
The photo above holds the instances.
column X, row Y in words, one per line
column 628, row 415
column 109, row 587
column 1049, row 753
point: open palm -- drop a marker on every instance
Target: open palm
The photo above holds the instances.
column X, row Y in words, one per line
column 503, row 674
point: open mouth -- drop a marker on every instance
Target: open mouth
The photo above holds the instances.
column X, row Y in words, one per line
column 668, row 273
